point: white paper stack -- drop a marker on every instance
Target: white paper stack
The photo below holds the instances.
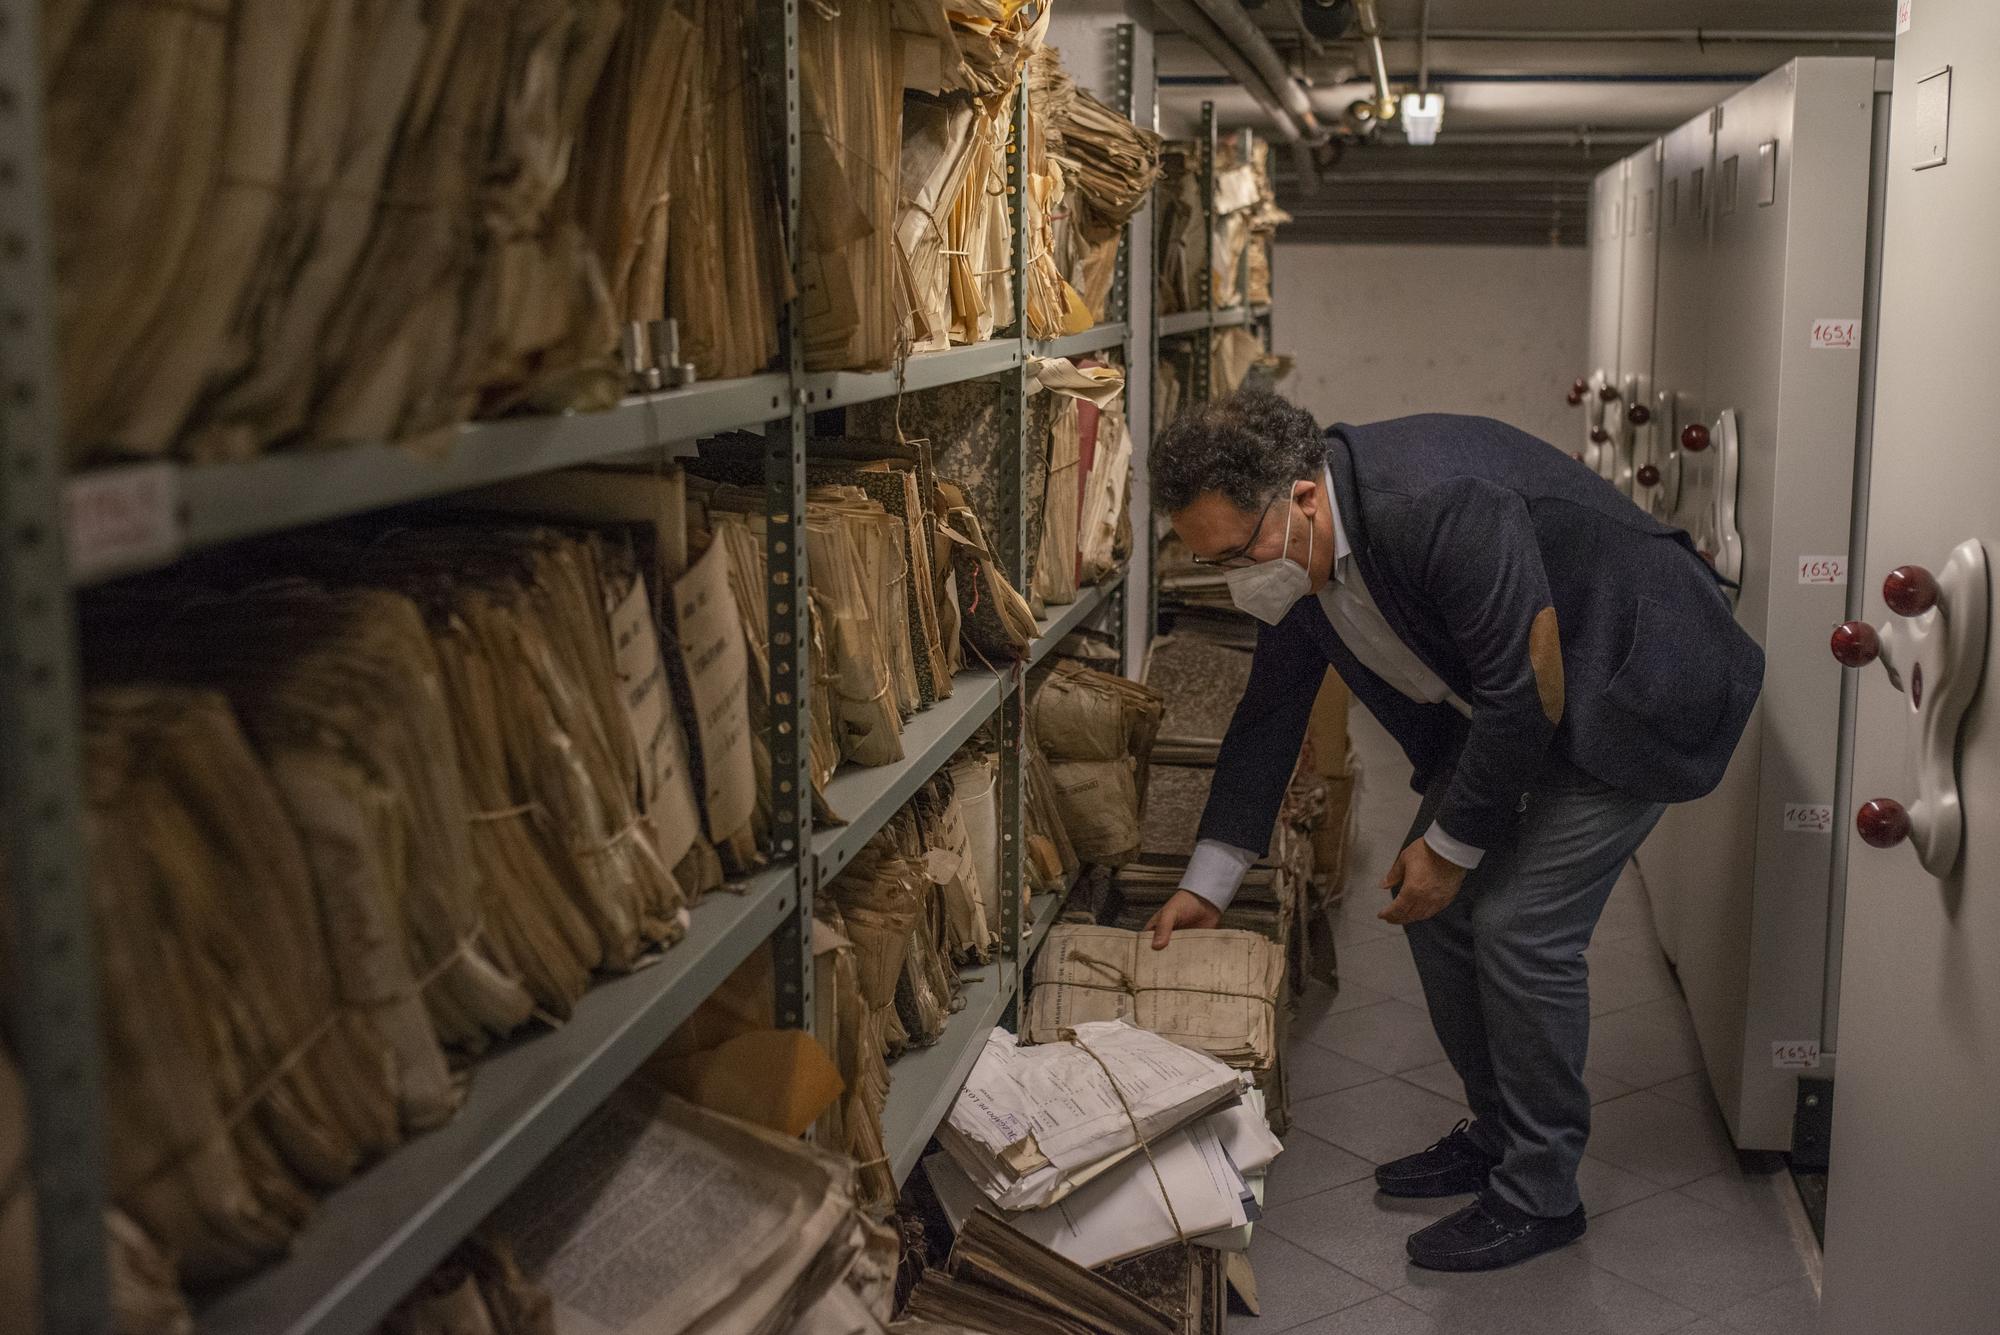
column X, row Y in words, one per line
column 1040, row 1133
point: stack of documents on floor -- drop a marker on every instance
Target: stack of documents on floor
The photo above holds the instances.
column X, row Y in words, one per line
column 1187, row 1281
column 1101, row 1146
column 1000, row 1280
column 660, row 1218
column 1214, row 991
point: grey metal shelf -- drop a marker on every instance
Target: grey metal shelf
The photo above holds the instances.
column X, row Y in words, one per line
column 925, row 1082
column 1184, row 322
column 866, row 796
column 371, row 1241
column 1090, row 340
column 1068, row 618
column 218, row 503
column 1228, row 316
column 923, row 370
column 1043, row 913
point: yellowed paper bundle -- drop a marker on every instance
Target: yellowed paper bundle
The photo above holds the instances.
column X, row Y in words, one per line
column 1055, row 570
column 964, row 885
column 1052, row 859
column 877, row 904
column 847, row 1028
column 1054, row 307
column 1105, row 493
column 937, row 160
column 1213, row 991
column 979, row 234
column 859, row 567
column 850, row 142
column 1109, row 166
column 725, row 262
column 638, row 121
column 239, row 1084
column 1096, row 730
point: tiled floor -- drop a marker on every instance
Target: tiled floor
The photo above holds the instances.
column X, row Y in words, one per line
column 1682, row 1240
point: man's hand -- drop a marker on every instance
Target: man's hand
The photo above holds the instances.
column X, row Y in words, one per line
column 1185, row 909
column 1429, row 884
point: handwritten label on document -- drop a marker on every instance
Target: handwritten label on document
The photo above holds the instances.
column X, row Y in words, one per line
column 1822, row 570
column 1808, row 818
column 1839, row 335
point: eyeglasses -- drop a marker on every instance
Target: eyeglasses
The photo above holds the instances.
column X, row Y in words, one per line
column 1238, row 557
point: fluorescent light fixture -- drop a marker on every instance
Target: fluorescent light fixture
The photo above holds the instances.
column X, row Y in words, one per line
column 1423, row 113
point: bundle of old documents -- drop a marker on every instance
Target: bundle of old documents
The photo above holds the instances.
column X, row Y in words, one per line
column 1096, row 729
column 1103, row 1145
column 1109, row 166
column 660, row 1218
column 1000, row 1280
column 1215, row 991
column 328, row 226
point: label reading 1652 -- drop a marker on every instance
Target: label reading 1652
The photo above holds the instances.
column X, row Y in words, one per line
column 1822, row 570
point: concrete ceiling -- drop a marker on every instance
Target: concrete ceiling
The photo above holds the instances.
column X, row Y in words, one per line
column 1539, row 96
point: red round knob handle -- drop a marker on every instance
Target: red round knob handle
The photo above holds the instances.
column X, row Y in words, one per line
column 1579, row 386
column 1648, row 475
column 1609, row 393
column 1638, row 414
column 1910, row 591
column 1694, row 437
column 1882, row 823
column 1599, row 435
column 1574, row 397
column 1855, row 643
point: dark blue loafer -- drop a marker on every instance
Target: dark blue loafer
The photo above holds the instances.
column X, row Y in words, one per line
column 1455, row 1166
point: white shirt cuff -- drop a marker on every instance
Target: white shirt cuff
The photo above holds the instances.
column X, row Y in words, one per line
column 1450, row 849
column 1215, row 869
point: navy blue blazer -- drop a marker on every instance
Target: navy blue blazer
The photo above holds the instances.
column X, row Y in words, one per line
column 1465, row 531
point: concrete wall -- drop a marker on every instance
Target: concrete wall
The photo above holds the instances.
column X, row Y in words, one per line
column 1384, row 331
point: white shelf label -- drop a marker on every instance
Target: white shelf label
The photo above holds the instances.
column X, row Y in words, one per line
column 1836, row 334
column 122, row 518
column 1800, row 1054
column 1822, row 570
column 1808, row 818
column 1902, row 17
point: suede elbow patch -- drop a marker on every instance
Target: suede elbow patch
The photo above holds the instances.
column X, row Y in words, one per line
column 1545, row 657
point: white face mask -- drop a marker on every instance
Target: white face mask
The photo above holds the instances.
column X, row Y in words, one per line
column 1268, row 589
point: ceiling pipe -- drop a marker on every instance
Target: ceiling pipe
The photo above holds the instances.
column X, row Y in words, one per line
column 1193, row 20
column 1250, row 41
column 1697, row 36
column 1371, row 28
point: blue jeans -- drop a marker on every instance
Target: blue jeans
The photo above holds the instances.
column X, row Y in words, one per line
column 1507, row 985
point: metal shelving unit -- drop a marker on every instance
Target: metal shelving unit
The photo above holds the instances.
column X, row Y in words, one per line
column 370, row 1241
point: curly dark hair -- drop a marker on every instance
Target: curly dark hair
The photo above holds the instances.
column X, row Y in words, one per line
column 1246, row 446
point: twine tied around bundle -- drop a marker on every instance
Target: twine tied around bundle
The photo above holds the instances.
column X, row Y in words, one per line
column 1070, row 1036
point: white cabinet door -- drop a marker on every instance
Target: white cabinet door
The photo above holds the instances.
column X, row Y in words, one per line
column 1913, row 1229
